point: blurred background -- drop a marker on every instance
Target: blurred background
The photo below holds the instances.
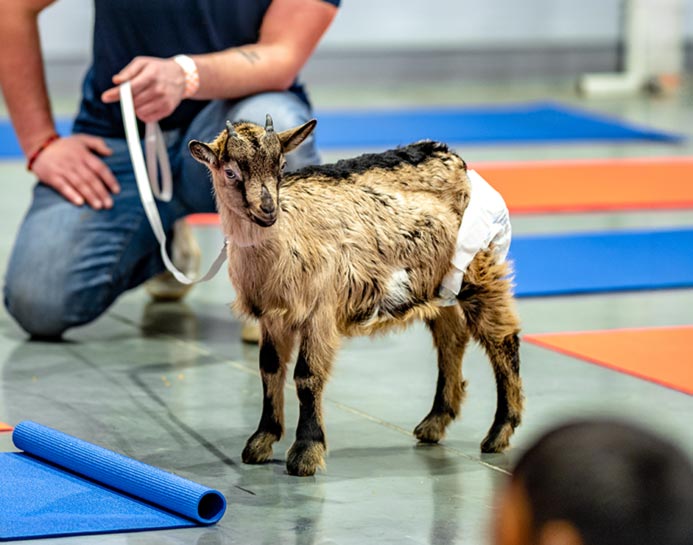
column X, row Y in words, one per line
column 396, row 41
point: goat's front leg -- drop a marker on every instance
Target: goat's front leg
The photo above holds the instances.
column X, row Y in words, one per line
column 312, row 370
column 275, row 352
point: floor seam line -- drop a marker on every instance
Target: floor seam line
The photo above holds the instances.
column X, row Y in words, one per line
column 346, row 408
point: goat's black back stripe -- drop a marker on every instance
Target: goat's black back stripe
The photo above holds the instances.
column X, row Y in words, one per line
column 413, row 154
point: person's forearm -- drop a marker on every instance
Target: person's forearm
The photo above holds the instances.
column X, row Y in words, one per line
column 245, row 71
column 21, row 75
column 289, row 33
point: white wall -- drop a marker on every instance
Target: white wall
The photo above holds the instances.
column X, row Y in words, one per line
column 484, row 23
column 66, row 28
column 66, row 25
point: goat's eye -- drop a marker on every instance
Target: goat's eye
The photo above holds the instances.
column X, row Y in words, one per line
column 231, row 175
column 282, row 166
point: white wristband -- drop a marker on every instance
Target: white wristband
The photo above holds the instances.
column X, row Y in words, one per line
column 192, row 76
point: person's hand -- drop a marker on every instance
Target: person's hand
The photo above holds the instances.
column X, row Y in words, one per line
column 71, row 167
column 157, row 87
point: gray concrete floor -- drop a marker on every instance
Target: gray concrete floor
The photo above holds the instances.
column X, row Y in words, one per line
column 172, row 385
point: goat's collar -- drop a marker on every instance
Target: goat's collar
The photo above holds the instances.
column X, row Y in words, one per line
column 243, row 244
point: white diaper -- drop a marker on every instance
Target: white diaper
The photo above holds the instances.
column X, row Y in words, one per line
column 485, row 221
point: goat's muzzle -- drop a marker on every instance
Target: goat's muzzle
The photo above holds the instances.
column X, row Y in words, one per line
column 264, row 220
column 267, row 213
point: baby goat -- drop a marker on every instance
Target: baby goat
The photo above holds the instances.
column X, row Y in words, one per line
column 350, row 249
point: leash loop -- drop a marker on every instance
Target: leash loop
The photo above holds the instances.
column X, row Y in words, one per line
column 147, row 177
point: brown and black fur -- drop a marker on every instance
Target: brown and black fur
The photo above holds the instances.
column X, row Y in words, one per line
column 353, row 248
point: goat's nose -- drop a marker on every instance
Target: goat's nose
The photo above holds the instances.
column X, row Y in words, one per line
column 266, row 202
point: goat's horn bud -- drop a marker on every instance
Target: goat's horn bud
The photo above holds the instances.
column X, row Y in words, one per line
column 269, row 125
column 230, row 129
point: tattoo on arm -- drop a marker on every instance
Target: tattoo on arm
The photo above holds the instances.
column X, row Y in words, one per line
column 251, row 56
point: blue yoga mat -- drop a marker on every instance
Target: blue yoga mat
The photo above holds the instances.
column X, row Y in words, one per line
column 60, row 485
column 599, row 262
column 9, row 146
column 526, row 123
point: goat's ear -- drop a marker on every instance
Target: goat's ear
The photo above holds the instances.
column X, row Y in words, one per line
column 203, row 153
column 292, row 138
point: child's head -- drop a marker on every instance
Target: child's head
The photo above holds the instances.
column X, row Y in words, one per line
column 598, row 483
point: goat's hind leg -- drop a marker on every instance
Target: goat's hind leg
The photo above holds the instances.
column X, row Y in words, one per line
column 491, row 318
column 275, row 352
column 450, row 337
column 505, row 357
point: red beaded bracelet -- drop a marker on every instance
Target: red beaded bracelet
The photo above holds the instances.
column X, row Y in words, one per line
column 47, row 142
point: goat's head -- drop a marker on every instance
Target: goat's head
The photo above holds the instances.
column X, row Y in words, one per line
column 246, row 162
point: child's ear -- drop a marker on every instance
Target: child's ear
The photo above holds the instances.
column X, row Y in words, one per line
column 292, row 138
column 203, row 153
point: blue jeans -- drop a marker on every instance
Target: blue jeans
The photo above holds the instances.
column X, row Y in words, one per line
column 70, row 263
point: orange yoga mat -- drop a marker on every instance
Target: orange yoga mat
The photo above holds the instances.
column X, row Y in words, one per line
column 592, row 185
column 581, row 185
column 203, row 219
column 5, row 427
column 663, row 354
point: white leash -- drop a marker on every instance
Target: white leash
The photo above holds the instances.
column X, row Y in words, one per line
column 147, row 180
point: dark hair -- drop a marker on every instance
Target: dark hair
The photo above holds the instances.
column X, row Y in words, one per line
column 616, row 483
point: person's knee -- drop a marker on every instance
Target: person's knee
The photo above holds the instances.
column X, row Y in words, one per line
column 47, row 309
column 38, row 315
column 68, row 264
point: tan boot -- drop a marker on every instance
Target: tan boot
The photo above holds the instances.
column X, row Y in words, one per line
column 250, row 333
column 185, row 255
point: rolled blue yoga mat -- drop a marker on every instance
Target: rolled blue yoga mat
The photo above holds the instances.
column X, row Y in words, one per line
column 61, row 485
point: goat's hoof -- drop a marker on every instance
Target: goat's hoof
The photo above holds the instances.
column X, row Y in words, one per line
column 497, row 440
column 305, row 457
column 432, row 428
column 258, row 449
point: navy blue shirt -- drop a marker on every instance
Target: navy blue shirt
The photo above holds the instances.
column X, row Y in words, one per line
column 125, row 29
